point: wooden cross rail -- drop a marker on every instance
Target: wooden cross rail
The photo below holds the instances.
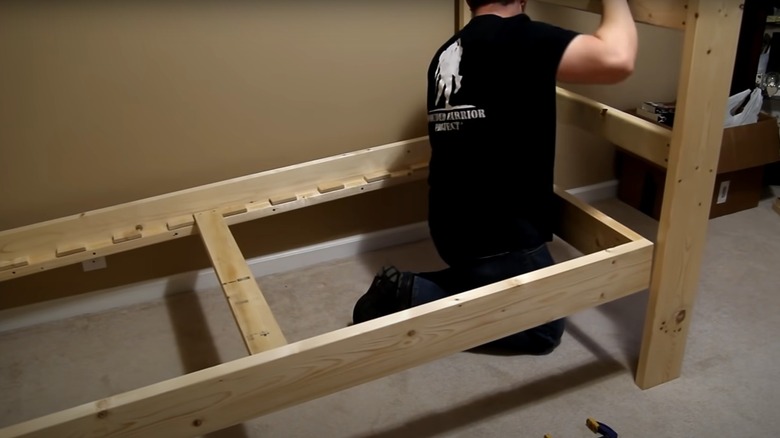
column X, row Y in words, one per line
column 258, row 326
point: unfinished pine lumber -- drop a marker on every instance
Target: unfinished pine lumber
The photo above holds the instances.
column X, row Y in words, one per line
column 662, row 13
column 290, row 374
column 709, row 54
column 256, row 321
column 124, row 227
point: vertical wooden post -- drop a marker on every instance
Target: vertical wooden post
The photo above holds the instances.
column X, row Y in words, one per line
column 711, row 35
column 462, row 14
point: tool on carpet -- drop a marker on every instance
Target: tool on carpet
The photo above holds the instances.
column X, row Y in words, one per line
column 597, row 427
column 603, row 429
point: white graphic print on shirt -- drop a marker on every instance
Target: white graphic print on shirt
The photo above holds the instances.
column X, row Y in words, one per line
column 448, row 83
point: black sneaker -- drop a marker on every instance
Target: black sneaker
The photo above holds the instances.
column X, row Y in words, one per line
column 537, row 341
column 390, row 292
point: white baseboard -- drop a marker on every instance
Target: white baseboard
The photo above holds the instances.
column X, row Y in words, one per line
column 205, row 279
column 596, row 192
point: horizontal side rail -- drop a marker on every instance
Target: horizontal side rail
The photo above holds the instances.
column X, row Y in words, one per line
column 632, row 133
column 662, row 13
column 77, row 238
column 586, row 228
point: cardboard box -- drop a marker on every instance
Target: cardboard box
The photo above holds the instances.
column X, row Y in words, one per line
column 756, row 144
column 745, row 151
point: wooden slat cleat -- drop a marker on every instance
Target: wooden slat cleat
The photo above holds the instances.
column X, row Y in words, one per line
column 377, row 176
column 70, row 250
column 13, row 264
column 401, row 173
column 330, row 187
column 180, row 222
column 283, row 199
column 233, row 211
column 126, row 236
column 255, row 206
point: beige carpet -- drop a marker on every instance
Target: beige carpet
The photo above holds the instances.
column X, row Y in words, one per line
column 730, row 384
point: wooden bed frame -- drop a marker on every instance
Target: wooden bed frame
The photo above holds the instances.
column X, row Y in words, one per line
column 275, row 374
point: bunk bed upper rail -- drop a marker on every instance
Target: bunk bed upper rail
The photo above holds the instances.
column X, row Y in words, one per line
column 662, row 13
column 631, row 132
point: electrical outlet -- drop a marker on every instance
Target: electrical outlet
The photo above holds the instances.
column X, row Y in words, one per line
column 94, row 264
column 723, row 193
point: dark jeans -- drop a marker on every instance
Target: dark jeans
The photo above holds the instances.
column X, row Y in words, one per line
column 430, row 286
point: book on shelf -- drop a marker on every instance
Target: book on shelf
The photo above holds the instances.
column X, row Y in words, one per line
column 658, row 107
column 662, row 118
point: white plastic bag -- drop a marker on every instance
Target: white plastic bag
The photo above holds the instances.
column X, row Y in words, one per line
column 749, row 113
column 763, row 61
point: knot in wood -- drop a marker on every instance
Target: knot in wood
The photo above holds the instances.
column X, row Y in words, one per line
column 680, row 316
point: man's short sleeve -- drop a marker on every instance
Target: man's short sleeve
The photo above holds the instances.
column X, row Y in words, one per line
column 552, row 41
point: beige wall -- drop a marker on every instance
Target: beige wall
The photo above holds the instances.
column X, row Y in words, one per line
column 107, row 102
column 103, row 103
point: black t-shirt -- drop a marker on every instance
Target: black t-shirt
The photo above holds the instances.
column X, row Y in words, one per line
column 492, row 126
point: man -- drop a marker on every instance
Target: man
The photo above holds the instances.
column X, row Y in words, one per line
column 492, row 127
